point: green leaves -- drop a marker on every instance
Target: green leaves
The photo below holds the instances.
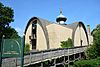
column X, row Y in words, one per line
column 88, row 63
column 6, row 17
column 94, row 50
column 67, row 44
column 10, row 33
column 91, row 52
column 27, row 48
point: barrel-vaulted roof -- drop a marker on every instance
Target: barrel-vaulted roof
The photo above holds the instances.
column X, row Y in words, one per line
column 44, row 23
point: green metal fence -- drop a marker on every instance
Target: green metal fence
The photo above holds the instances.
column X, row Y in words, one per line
column 12, row 48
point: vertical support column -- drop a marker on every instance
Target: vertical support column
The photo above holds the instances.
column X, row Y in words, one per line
column 74, row 55
column 68, row 58
column 30, row 58
column 42, row 59
column 64, row 59
column 54, row 62
column 22, row 50
column 64, row 62
column 41, row 64
column 79, row 55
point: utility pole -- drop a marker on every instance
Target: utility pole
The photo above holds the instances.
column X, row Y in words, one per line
column 22, row 51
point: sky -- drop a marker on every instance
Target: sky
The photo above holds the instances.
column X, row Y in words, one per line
column 87, row 11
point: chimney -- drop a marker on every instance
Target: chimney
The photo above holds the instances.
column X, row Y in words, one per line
column 88, row 29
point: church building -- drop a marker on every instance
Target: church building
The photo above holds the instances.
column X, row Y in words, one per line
column 41, row 34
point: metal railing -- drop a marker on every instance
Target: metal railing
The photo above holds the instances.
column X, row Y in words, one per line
column 40, row 56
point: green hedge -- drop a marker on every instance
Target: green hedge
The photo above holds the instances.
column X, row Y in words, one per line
column 88, row 63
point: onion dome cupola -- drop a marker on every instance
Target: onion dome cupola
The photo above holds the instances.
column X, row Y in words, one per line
column 61, row 19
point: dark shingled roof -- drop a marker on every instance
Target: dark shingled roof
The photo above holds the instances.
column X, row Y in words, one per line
column 44, row 23
column 74, row 26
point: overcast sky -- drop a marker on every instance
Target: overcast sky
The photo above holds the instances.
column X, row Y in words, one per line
column 87, row 11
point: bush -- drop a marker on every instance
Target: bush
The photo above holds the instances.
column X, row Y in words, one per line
column 87, row 63
column 94, row 50
column 91, row 52
column 27, row 48
column 67, row 44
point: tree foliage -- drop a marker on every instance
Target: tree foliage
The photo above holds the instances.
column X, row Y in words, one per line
column 6, row 17
column 91, row 52
column 94, row 50
column 87, row 63
column 66, row 44
column 10, row 33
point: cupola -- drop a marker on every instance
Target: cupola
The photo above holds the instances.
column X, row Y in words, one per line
column 61, row 19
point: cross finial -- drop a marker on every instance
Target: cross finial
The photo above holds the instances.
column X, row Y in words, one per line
column 60, row 11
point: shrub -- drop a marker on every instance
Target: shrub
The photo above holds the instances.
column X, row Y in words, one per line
column 27, row 48
column 67, row 44
column 87, row 63
column 94, row 50
column 91, row 52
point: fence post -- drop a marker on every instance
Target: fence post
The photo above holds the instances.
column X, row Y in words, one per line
column 42, row 59
column 16, row 62
column 1, row 47
column 0, row 52
column 22, row 51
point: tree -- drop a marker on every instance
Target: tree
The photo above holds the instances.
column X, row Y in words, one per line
column 10, row 33
column 96, row 39
column 67, row 44
column 94, row 50
column 6, row 17
column 91, row 52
